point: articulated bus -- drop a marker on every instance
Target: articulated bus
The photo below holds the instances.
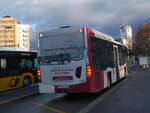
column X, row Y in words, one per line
column 17, row 69
column 80, row 60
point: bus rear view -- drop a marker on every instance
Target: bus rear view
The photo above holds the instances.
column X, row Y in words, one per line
column 63, row 60
column 80, row 60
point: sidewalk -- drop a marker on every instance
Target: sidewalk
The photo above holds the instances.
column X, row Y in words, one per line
column 12, row 95
column 136, row 67
column 132, row 97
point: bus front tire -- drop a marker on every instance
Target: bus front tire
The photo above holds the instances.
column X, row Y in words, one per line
column 27, row 81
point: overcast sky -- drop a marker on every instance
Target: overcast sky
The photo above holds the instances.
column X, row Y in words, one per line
column 104, row 15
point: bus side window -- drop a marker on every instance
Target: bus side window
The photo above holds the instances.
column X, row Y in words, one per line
column 22, row 64
column 3, row 66
column 35, row 63
column 26, row 64
column 122, row 56
column 102, row 53
column 3, row 63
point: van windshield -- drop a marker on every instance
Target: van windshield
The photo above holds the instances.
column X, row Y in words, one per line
column 65, row 47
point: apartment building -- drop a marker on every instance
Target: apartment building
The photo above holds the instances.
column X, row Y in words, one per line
column 23, row 36
column 126, row 35
column 13, row 34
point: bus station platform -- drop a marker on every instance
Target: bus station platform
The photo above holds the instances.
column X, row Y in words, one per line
column 12, row 95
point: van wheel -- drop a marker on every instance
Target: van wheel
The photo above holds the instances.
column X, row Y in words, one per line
column 27, row 81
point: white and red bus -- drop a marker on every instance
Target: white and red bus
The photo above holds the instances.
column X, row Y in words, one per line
column 80, row 60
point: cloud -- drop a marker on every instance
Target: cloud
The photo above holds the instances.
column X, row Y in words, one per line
column 104, row 14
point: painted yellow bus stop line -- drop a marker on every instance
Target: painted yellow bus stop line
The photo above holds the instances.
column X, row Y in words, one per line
column 48, row 107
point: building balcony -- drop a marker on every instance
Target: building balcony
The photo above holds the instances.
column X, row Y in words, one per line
column 9, row 39
column 2, row 44
column 10, row 43
column 2, row 29
column 5, row 33
column 26, row 40
column 25, row 35
column 2, row 33
column 9, row 29
column 2, row 39
column 25, row 31
column 2, row 23
column 6, row 23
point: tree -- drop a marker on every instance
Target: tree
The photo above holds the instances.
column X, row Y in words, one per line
column 141, row 44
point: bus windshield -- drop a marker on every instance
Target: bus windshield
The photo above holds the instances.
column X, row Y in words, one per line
column 63, row 48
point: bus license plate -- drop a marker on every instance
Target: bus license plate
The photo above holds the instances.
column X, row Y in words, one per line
column 63, row 86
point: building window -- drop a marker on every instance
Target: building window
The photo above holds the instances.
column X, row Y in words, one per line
column 2, row 22
column 9, row 21
column 9, row 36
column 3, row 31
column 9, row 31
column 9, row 27
column 2, row 36
column 3, row 26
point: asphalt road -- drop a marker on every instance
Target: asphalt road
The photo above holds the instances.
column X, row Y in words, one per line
column 48, row 103
column 132, row 97
column 12, row 95
column 120, row 98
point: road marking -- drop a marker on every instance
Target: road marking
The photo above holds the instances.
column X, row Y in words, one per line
column 103, row 96
column 48, row 107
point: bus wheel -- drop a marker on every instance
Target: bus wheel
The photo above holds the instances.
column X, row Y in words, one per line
column 27, row 81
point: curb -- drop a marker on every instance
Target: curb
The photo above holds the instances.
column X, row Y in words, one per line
column 16, row 98
column 16, row 94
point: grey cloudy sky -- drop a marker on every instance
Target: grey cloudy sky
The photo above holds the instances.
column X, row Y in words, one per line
column 104, row 15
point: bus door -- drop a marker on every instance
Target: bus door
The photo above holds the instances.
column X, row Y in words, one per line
column 116, row 61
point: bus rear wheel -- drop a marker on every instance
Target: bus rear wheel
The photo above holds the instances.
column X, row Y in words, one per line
column 27, row 81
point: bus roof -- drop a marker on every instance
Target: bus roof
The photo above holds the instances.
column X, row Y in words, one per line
column 72, row 30
column 106, row 37
column 60, row 31
column 18, row 54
